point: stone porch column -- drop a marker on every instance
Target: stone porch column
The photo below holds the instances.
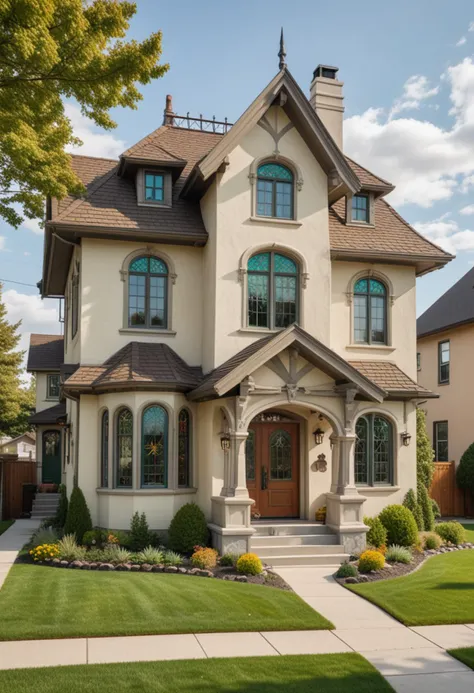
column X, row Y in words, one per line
column 344, row 503
column 231, row 518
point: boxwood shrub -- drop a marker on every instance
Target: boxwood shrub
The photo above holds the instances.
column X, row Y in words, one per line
column 188, row 529
column 377, row 534
column 400, row 525
column 451, row 532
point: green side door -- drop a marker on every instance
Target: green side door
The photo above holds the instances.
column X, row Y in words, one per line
column 51, row 457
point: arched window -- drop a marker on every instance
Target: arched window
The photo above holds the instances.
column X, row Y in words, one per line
column 154, row 447
column 104, row 450
column 124, row 448
column 148, row 293
column 272, row 291
column 374, row 451
column 275, row 190
column 370, row 312
column 184, row 448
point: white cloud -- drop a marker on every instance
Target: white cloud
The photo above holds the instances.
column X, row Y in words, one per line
column 467, row 210
column 446, row 233
column 415, row 90
column 33, row 225
column 3, row 241
column 471, row 26
column 426, row 162
column 461, row 41
column 96, row 142
column 36, row 315
column 26, row 253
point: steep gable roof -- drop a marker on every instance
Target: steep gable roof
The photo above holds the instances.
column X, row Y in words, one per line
column 452, row 309
column 46, row 352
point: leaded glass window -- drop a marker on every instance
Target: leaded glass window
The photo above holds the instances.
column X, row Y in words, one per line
column 184, row 447
column 250, row 456
column 373, row 456
column 370, row 312
column 272, row 291
column 280, row 456
column 443, row 362
column 155, row 446
column 147, row 293
column 360, row 208
column 275, row 191
column 154, row 187
column 124, row 448
column 104, row 450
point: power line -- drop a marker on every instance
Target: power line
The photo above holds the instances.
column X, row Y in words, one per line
column 12, row 281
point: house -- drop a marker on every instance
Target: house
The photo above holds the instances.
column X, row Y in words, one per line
column 24, row 446
column 45, row 357
column 445, row 346
column 240, row 324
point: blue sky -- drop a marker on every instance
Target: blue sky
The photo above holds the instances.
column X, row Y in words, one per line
column 408, row 72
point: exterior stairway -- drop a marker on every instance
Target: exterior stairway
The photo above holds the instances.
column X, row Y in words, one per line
column 296, row 543
column 45, row 505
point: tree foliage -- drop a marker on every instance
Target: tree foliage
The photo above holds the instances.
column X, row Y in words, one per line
column 78, row 518
column 424, row 451
column 465, row 471
column 16, row 401
column 50, row 51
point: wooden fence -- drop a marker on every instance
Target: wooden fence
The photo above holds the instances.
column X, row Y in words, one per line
column 453, row 502
column 15, row 473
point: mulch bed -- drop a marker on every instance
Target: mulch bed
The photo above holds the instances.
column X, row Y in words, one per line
column 393, row 570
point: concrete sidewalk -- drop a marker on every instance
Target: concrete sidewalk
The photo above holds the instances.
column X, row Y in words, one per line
column 12, row 541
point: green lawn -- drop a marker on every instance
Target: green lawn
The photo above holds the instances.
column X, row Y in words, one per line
column 44, row 602
column 295, row 674
column 469, row 532
column 465, row 655
column 441, row 592
column 5, row 524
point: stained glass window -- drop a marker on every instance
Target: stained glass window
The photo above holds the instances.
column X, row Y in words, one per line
column 147, row 293
column 184, row 447
column 155, row 446
column 373, row 456
column 280, row 456
column 272, row 291
column 360, row 208
column 250, row 456
column 104, row 452
column 124, row 448
column 154, row 187
column 370, row 312
column 275, row 191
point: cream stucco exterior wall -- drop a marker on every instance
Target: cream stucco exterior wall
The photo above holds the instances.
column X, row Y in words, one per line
column 455, row 398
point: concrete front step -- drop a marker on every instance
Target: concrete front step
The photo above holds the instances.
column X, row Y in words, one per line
column 295, row 540
column 40, row 515
column 306, row 560
column 278, row 550
column 273, row 529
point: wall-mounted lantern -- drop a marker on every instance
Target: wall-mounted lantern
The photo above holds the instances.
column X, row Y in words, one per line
column 406, row 438
column 225, row 442
column 318, row 436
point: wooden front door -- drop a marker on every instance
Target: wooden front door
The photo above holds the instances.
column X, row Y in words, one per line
column 273, row 468
column 51, row 463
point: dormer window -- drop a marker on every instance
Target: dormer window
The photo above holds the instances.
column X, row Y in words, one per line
column 360, row 208
column 275, row 191
column 154, row 187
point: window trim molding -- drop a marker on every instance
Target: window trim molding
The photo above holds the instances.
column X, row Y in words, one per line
column 389, row 303
column 167, row 188
column 298, row 182
column 353, row 222
column 393, row 470
column 148, row 251
column 118, row 410
column 102, row 412
column 166, row 485
column 435, row 439
column 444, row 382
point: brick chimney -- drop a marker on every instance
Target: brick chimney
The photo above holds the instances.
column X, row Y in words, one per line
column 327, row 100
column 168, row 113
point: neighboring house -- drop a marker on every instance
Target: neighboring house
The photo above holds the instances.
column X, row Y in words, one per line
column 240, row 320
column 24, row 446
column 45, row 357
column 445, row 351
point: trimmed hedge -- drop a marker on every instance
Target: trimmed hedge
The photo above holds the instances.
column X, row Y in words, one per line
column 78, row 520
column 400, row 525
column 451, row 532
column 377, row 534
column 188, row 529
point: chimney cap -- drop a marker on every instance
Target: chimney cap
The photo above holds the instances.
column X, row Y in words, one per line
column 326, row 71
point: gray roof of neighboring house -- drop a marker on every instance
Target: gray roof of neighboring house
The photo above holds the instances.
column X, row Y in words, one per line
column 453, row 308
column 46, row 352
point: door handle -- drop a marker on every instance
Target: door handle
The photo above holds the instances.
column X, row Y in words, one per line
column 264, row 478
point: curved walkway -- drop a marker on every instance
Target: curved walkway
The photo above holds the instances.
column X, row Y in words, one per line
column 12, row 541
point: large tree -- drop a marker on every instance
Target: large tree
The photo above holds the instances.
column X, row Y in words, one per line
column 51, row 50
column 16, row 401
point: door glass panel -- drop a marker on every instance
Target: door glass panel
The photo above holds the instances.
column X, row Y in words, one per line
column 250, row 456
column 280, row 456
column 51, row 443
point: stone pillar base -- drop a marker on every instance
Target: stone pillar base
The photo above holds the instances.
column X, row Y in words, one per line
column 230, row 526
column 345, row 517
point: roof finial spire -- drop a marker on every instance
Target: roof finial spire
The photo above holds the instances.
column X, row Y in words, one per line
column 282, row 52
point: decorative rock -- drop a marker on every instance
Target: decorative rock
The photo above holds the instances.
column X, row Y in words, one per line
column 157, row 569
column 182, row 570
column 106, row 566
column 86, row 566
column 76, row 564
column 361, row 578
column 135, row 568
column 56, row 561
column 351, row 581
column 171, row 569
column 241, row 578
column 93, row 566
column 205, row 573
column 193, row 571
column 146, row 568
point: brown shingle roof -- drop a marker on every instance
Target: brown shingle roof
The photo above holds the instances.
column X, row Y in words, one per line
column 50, row 415
column 390, row 377
column 367, row 178
column 46, row 352
column 391, row 233
column 138, row 364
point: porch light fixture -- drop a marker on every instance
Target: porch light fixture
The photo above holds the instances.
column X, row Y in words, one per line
column 318, row 436
column 406, row 438
column 225, row 442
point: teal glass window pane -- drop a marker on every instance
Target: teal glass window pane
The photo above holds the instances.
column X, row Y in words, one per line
column 154, row 446
column 259, row 263
column 361, row 287
column 275, row 172
column 149, row 180
column 157, row 266
column 376, row 287
column 264, row 198
column 284, row 264
column 258, row 300
column 360, row 208
column 140, row 264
